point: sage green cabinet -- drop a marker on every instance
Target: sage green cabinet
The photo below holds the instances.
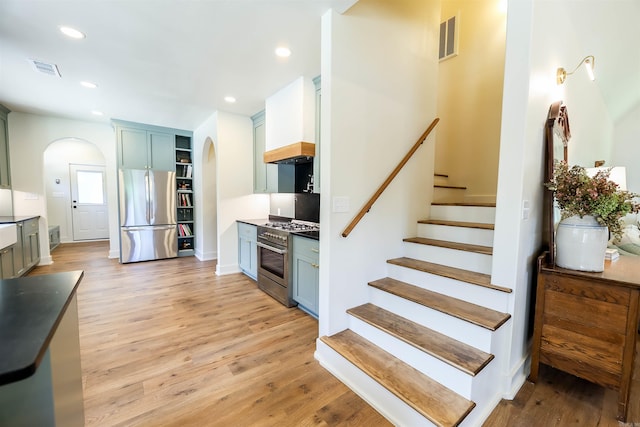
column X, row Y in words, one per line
column 265, row 176
column 144, row 147
column 248, row 249
column 6, row 262
column 5, row 172
column 306, row 280
column 26, row 251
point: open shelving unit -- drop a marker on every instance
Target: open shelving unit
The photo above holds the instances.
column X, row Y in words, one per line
column 184, row 196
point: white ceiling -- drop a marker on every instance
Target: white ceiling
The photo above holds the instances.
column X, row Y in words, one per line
column 172, row 62
column 165, row 62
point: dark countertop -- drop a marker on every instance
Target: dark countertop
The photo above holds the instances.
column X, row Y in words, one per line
column 254, row 221
column 12, row 219
column 30, row 310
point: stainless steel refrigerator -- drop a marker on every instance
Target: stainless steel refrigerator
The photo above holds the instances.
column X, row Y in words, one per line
column 148, row 227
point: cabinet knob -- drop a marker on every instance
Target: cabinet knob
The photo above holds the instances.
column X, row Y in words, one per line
column 315, row 265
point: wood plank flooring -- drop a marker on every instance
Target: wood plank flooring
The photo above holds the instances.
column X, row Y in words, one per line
column 168, row 343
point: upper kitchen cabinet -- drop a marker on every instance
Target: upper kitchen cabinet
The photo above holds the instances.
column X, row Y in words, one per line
column 5, row 173
column 263, row 173
column 144, row 146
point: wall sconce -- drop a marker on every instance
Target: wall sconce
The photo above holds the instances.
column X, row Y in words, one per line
column 589, row 63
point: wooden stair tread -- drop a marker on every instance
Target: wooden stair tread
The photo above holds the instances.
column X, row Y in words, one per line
column 435, row 402
column 461, row 356
column 467, row 247
column 482, row 205
column 454, row 187
column 467, row 276
column 481, row 225
column 472, row 313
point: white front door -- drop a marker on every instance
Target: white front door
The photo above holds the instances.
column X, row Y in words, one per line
column 88, row 202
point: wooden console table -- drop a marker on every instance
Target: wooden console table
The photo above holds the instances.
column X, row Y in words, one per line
column 586, row 323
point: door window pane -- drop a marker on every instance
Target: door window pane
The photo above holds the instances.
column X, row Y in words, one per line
column 90, row 187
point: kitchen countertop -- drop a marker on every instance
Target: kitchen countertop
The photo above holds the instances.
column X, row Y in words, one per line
column 315, row 235
column 30, row 310
column 262, row 221
column 12, row 219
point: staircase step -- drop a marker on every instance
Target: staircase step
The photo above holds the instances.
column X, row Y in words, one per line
column 485, row 250
column 475, row 314
column 480, row 225
column 464, row 357
column 467, row 276
column 435, row 402
column 455, row 187
column 484, row 205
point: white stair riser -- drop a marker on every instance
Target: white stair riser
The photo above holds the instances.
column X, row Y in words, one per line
column 385, row 402
column 486, row 297
column 485, row 394
column 445, row 374
column 453, row 327
column 472, row 261
column 474, row 236
column 485, row 215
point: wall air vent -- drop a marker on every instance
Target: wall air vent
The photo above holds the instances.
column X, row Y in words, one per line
column 45, row 68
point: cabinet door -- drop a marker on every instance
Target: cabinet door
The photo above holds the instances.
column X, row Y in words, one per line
column 132, row 144
column 244, row 254
column 18, row 250
column 253, row 265
column 6, row 263
column 259, row 166
column 305, row 283
column 161, row 151
column 30, row 239
column 5, row 178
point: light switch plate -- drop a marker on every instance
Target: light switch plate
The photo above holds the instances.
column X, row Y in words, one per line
column 340, row 204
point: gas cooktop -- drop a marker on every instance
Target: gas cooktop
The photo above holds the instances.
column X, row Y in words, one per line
column 293, row 225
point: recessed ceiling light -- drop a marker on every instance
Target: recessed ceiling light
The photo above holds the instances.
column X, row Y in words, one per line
column 230, row 99
column 89, row 84
column 283, row 52
column 96, row 113
column 72, row 32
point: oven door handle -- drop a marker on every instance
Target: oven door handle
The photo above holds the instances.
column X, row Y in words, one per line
column 272, row 249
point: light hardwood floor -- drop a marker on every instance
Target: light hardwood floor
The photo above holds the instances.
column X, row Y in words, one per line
column 169, row 343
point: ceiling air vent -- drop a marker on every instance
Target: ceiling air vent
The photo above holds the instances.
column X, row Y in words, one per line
column 46, row 68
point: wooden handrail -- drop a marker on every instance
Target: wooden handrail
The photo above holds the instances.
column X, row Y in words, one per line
column 390, row 178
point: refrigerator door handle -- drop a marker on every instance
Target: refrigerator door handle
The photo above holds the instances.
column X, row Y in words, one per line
column 147, row 227
column 147, row 187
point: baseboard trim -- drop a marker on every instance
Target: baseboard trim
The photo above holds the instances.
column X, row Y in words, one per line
column 227, row 269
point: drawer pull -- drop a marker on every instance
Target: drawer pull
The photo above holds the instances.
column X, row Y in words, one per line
column 315, row 250
column 314, row 265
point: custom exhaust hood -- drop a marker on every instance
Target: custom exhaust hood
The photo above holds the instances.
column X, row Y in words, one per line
column 290, row 124
column 298, row 152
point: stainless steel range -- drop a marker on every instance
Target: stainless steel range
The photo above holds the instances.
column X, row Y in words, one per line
column 274, row 261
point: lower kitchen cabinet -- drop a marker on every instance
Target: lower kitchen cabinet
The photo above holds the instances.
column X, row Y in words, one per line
column 306, row 255
column 6, row 262
column 26, row 250
column 248, row 249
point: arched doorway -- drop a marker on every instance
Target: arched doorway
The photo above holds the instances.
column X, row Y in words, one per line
column 208, row 214
column 75, row 188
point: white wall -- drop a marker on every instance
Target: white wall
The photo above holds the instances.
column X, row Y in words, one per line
column 379, row 73
column 29, row 136
column 626, row 150
column 205, row 184
column 57, row 158
column 232, row 135
column 539, row 40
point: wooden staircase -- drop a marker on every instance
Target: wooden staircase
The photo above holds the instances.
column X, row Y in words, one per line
column 422, row 350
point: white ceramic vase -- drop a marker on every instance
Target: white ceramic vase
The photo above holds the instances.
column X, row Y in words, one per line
column 581, row 244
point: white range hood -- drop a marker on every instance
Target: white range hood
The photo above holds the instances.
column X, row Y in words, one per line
column 290, row 123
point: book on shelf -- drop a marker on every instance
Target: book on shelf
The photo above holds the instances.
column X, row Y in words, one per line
column 189, row 171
